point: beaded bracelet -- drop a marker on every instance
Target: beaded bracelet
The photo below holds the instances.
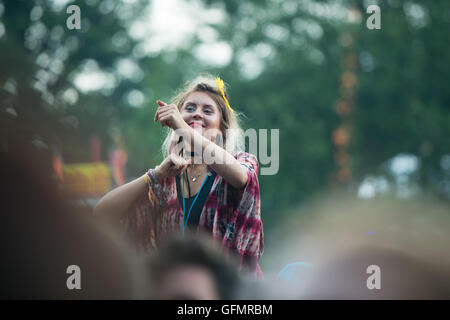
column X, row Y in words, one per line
column 146, row 179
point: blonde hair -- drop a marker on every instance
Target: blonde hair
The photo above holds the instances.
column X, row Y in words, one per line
column 233, row 140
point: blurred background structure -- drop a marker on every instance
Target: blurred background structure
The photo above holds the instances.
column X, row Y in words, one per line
column 365, row 112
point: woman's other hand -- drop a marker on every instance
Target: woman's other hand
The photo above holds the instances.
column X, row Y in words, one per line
column 169, row 115
column 172, row 166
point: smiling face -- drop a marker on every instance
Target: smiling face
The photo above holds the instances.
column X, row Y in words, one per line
column 201, row 112
column 200, row 92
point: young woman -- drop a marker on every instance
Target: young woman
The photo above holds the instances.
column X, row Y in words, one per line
column 184, row 193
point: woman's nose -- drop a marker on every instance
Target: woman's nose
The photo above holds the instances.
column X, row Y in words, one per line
column 197, row 114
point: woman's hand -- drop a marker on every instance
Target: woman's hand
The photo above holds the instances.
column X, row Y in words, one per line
column 169, row 115
column 172, row 166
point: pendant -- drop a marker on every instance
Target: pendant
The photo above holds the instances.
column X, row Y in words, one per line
column 194, row 179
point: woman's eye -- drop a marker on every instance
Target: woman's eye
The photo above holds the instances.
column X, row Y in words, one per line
column 208, row 111
column 190, row 108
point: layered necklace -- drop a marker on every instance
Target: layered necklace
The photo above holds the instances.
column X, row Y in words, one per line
column 193, row 176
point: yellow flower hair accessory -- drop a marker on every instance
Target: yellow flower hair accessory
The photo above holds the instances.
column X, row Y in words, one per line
column 220, row 86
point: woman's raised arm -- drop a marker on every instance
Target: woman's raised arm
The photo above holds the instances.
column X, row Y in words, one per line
column 227, row 167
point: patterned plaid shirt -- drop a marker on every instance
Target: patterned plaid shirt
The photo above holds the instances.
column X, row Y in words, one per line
column 232, row 216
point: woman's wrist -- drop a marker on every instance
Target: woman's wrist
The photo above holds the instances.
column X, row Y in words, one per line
column 158, row 175
column 152, row 176
column 184, row 126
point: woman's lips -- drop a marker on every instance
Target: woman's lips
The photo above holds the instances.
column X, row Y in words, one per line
column 196, row 124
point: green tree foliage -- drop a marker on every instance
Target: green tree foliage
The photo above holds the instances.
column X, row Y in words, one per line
column 40, row 57
column 403, row 99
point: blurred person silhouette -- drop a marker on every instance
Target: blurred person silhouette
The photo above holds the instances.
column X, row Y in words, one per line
column 192, row 268
column 42, row 235
column 351, row 274
column 368, row 249
column 221, row 198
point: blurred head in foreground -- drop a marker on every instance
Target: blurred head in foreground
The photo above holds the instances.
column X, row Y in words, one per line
column 370, row 249
column 371, row 272
column 41, row 235
column 192, row 268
